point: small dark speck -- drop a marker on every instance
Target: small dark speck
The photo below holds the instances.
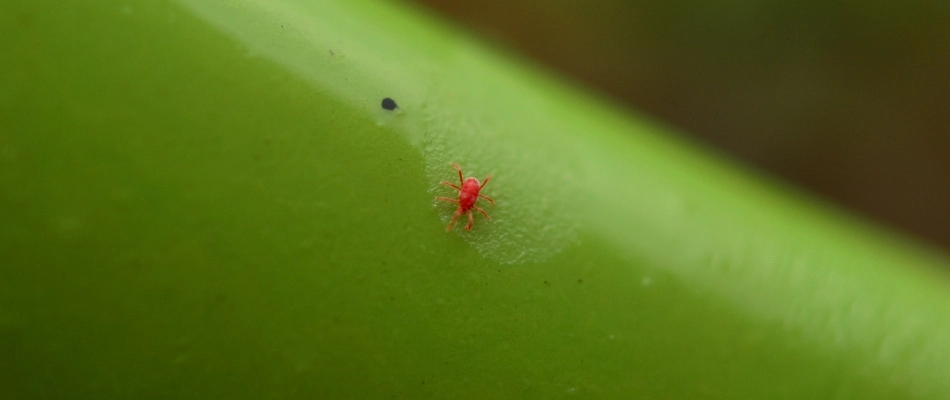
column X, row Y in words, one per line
column 389, row 104
column 547, row 283
column 580, row 281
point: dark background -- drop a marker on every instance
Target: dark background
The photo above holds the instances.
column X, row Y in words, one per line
column 849, row 99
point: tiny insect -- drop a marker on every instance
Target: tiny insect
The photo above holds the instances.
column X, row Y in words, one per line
column 468, row 196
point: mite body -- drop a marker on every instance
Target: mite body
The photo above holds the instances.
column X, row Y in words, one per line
column 469, row 193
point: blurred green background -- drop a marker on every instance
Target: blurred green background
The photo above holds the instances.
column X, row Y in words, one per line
column 849, row 99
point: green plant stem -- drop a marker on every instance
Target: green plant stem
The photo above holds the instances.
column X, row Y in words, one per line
column 205, row 199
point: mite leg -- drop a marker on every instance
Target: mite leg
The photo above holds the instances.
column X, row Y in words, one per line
column 490, row 200
column 452, row 185
column 447, row 199
column 483, row 212
column 485, row 182
column 455, row 218
column 471, row 220
column 459, row 169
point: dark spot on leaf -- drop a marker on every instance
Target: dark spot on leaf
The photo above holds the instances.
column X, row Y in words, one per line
column 580, row 281
column 389, row 104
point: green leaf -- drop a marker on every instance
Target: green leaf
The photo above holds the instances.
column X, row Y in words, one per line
column 206, row 199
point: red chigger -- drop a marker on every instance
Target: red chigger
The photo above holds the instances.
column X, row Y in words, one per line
column 468, row 196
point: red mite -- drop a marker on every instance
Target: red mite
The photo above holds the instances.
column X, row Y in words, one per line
column 468, row 196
